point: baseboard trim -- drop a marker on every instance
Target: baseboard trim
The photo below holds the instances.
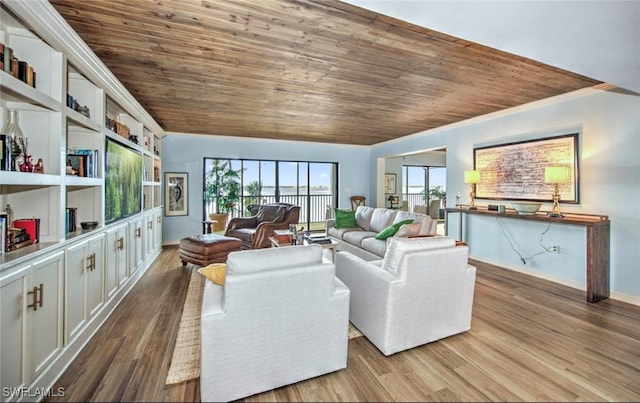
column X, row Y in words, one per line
column 618, row 296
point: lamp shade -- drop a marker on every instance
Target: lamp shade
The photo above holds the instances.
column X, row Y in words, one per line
column 471, row 176
column 556, row 174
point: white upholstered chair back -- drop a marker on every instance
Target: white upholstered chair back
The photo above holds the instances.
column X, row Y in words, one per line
column 415, row 296
column 282, row 314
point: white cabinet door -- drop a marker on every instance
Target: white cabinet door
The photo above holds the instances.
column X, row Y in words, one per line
column 122, row 248
column 135, row 238
column 13, row 317
column 76, row 268
column 31, row 321
column 149, row 224
column 94, row 280
column 111, row 266
column 46, row 316
column 84, row 293
column 116, row 258
column 157, row 232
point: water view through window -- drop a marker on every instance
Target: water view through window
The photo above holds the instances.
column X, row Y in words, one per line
column 310, row 185
column 418, row 178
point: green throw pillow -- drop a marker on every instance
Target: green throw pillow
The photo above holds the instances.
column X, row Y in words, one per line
column 345, row 218
column 391, row 230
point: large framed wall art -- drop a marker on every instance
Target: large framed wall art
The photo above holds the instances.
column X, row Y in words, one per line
column 516, row 171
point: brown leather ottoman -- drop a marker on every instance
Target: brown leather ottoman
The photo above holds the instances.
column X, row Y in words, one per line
column 205, row 249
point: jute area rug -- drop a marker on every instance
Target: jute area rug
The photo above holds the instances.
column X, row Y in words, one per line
column 185, row 364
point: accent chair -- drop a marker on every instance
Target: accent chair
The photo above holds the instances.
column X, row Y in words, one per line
column 254, row 231
column 420, row 292
column 281, row 316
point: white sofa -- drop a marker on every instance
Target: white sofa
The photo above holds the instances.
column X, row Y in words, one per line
column 361, row 240
column 281, row 317
column 420, row 292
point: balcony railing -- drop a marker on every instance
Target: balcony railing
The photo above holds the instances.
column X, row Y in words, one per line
column 413, row 199
column 312, row 208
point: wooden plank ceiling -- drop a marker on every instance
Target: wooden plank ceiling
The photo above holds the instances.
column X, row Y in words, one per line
column 321, row 71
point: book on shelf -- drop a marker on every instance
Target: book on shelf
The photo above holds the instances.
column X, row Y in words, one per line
column 31, row 225
column 17, row 235
column 17, row 238
column 71, row 224
column 8, row 56
column 22, row 71
column 14, row 67
column 31, row 77
column 3, row 234
column 22, row 244
column 4, row 150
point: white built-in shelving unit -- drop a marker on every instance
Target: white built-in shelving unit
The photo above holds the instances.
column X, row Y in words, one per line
column 56, row 293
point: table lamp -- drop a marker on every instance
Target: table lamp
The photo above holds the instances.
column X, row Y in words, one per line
column 391, row 199
column 556, row 174
column 472, row 177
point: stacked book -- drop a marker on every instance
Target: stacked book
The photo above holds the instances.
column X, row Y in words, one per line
column 20, row 69
column 71, row 224
column 22, row 232
column 18, row 238
column 321, row 239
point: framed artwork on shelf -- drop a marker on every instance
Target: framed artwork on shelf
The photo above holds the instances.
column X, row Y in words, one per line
column 77, row 164
column 516, row 171
column 389, row 183
column 176, row 193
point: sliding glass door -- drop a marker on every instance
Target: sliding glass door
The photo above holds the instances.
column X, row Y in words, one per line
column 418, row 178
column 310, row 185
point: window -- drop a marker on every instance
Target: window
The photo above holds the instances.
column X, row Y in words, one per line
column 310, row 185
column 418, row 178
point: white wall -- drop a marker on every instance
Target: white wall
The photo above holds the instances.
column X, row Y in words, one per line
column 609, row 123
column 186, row 153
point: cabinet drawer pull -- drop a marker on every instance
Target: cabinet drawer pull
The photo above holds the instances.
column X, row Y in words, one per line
column 89, row 263
column 150, row 225
column 159, row 219
column 138, row 232
column 37, row 302
column 93, row 261
column 120, row 243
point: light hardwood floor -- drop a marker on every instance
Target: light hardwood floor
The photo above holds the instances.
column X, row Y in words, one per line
column 531, row 340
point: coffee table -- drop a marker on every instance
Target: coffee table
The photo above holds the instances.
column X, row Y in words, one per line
column 333, row 246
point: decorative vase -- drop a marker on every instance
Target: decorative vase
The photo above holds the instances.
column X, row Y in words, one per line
column 219, row 221
column 15, row 143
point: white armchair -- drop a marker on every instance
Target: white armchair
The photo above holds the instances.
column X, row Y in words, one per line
column 421, row 292
column 281, row 317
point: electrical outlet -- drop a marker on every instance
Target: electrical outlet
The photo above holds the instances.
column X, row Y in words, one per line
column 555, row 248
